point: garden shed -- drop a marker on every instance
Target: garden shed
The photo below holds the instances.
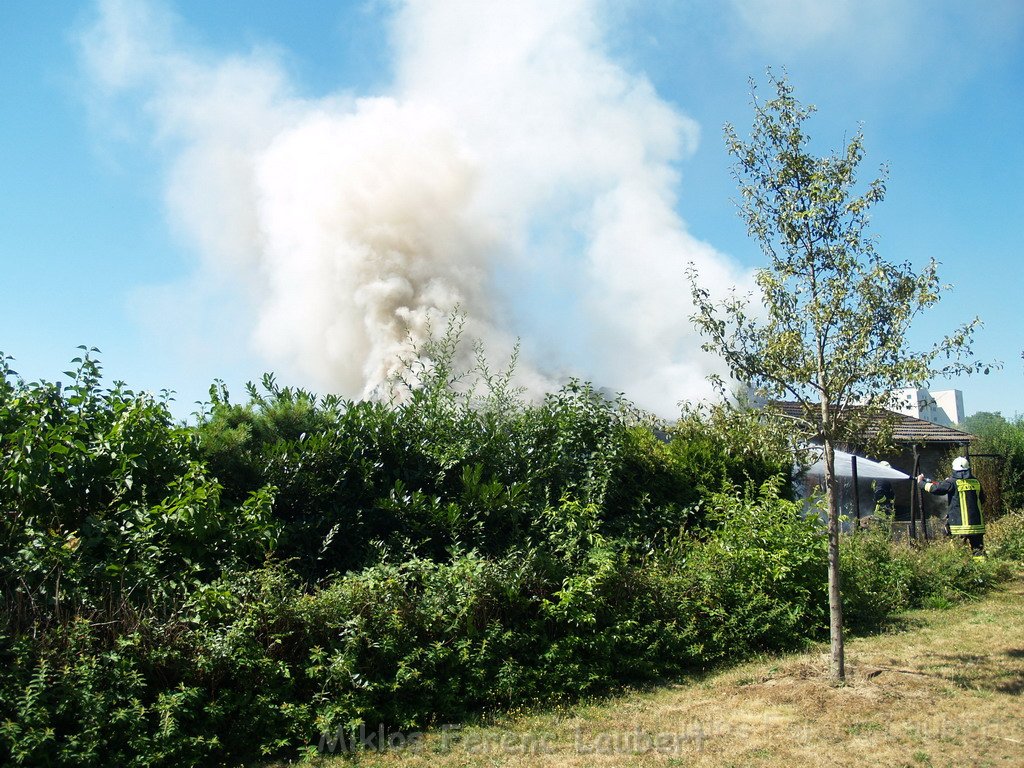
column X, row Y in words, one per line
column 916, row 446
column 855, row 479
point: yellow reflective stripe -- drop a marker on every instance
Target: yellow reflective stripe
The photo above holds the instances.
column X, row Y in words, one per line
column 972, row 484
column 966, row 530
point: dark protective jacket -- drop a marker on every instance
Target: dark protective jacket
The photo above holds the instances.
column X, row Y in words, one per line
column 885, row 496
column 965, row 498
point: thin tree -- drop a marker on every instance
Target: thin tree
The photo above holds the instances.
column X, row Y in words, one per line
column 830, row 326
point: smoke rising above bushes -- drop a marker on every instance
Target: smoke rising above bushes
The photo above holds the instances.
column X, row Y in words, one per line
column 512, row 170
column 366, row 240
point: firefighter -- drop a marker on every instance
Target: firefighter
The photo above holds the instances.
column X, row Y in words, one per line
column 884, row 495
column 965, row 499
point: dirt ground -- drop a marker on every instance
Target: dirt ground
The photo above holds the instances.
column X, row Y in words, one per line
column 942, row 690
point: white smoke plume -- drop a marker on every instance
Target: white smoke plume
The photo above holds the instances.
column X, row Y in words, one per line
column 513, row 170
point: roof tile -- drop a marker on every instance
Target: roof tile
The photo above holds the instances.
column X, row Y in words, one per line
column 906, row 429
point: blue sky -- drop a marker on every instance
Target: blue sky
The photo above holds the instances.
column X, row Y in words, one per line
column 213, row 190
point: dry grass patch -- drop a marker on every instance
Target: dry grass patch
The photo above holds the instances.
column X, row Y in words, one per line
column 944, row 690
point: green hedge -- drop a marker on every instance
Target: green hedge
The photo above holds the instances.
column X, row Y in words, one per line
column 258, row 664
column 882, row 577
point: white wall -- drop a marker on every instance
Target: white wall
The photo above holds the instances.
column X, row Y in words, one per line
column 945, row 407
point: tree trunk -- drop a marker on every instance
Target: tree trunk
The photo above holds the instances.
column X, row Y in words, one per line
column 837, row 668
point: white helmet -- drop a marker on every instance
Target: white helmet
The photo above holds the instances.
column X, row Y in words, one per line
column 960, row 464
column 884, row 464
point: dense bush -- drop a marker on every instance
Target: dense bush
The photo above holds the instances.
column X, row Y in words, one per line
column 103, row 496
column 724, row 445
column 1005, row 537
column 472, row 467
column 758, row 572
column 882, row 577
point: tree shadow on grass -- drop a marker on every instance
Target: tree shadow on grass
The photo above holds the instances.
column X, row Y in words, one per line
column 998, row 673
